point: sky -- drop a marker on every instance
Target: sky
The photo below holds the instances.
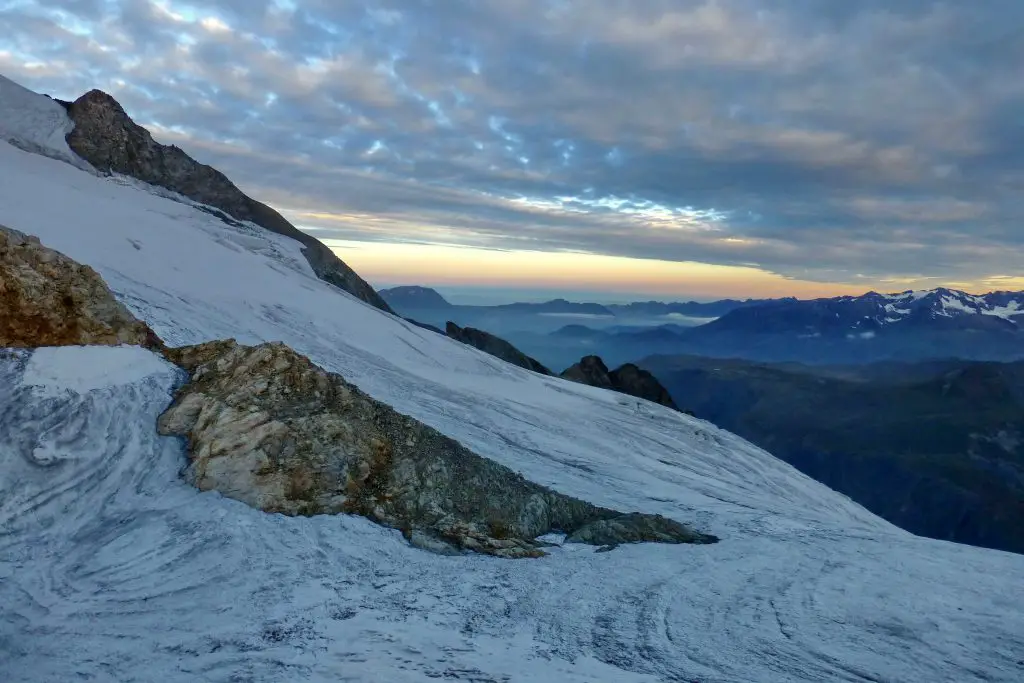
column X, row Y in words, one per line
column 662, row 148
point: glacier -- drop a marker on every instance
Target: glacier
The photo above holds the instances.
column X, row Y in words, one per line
column 113, row 569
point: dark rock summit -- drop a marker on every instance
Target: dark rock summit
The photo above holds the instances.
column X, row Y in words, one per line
column 496, row 346
column 106, row 137
column 628, row 379
column 269, row 428
column 590, row 370
column 635, row 381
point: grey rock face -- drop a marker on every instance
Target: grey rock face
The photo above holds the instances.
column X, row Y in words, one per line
column 628, row 379
column 269, row 428
column 106, row 137
column 496, row 346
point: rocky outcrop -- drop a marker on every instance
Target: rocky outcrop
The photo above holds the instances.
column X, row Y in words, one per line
column 628, row 379
column 267, row 427
column 635, row 381
column 496, row 346
column 47, row 299
column 590, row 370
column 106, row 137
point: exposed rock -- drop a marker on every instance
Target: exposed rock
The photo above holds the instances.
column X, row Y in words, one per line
column 425, row 326
column 269, row 428
column 635, row 381
column 590, row 370
column 106, row 137
column 496, row 346
column 628, row 379
column 635, row 528
column 47, row 299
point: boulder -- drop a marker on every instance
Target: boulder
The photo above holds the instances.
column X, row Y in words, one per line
column 47, row 299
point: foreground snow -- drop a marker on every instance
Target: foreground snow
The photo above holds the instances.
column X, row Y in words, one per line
column 111, row 568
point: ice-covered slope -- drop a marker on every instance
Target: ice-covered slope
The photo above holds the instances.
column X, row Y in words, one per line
column 112, row 567
column 35, row 123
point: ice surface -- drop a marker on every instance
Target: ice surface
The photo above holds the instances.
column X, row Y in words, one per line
column 112, row 568
column 35, row 122
column 81, row 369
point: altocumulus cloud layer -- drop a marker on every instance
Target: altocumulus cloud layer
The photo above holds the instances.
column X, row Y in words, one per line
column 838, row 141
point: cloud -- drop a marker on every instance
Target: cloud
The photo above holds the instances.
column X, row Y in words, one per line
column 847, row 142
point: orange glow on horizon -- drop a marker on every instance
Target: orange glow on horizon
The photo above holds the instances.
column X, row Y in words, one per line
column 436, row 264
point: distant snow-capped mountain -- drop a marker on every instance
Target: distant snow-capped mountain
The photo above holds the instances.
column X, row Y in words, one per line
column 872, row 312
column 913, row 325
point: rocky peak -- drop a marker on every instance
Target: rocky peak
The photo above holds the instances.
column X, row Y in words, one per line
column 628, row 379
column 47, row 299
column 106, row 137
column 635, row 381
column 590, row 370
column 496, row 346
column 268, row 427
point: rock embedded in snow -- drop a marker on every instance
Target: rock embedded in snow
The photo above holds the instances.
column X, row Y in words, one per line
column 106, row 137
column 47, row 299
column 590, row 370
column 493, row 345
column 269, row 428
column 628, row 379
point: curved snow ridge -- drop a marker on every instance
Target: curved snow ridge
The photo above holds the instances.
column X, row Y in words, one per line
column 112, row 568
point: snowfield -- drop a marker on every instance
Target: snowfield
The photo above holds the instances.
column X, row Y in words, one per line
column 113, row 569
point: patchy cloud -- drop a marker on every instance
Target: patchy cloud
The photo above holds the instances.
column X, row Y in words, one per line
column 853, row 141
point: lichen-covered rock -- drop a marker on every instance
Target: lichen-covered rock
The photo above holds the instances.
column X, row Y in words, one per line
column 496, row 346
column 268, row 427
column 106, row 137
column 47, row 299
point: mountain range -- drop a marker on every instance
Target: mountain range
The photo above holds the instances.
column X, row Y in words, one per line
column 218, row 464
column 908, row 326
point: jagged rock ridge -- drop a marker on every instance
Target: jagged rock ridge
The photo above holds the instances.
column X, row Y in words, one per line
column 106, row 137
column 627, row 379
column 496, row 346
column 268, row 427
column 47, row 299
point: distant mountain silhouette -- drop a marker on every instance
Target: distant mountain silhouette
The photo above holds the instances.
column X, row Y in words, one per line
column 936, row 448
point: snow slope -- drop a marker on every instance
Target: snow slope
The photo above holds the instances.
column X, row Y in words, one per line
column 112, row 569
column 35, row 123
